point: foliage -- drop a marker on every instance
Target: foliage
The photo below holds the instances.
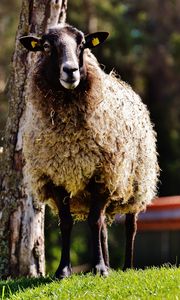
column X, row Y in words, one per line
column 163, row 283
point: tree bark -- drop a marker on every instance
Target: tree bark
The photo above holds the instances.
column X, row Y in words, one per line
column 22, row 216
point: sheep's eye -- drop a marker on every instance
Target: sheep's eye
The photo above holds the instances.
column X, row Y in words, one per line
column 81, row 46
column 47, row 47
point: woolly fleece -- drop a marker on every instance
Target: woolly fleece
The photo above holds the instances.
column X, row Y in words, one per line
column 100, row 129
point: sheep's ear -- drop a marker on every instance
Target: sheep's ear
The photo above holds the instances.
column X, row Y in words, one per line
column 31, row 43
column 95, row 39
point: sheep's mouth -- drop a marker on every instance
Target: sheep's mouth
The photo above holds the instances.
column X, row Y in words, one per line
column 70, row 81
column 69, row 84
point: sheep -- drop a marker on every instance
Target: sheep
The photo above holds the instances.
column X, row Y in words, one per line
column 89, row 145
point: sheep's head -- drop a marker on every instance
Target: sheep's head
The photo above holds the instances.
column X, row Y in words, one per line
column 63, row 47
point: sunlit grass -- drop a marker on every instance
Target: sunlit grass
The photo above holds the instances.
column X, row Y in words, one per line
column 154, row 283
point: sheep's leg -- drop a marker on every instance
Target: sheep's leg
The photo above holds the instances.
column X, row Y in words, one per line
column 66, row 223
column 96, row 220
column 130, row 227
column 104, row 244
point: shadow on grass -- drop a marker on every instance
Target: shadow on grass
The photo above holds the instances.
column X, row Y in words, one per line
column 10, row 287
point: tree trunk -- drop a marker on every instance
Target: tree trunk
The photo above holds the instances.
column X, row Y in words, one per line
column 90, row 15
column 21, row 216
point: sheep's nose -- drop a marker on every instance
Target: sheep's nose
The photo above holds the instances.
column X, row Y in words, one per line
column 69, row 75
column 69, row 70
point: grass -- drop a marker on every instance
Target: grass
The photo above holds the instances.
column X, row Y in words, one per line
column 154, row 283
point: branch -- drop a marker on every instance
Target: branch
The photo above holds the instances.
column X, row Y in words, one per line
column 57, row 12
column 62, row 17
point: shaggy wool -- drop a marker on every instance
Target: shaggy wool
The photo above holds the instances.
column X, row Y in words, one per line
column 102, row 130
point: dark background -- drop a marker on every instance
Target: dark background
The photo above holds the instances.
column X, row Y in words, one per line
column 144, row 49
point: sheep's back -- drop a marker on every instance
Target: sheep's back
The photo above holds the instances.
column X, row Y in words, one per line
column 123, row 130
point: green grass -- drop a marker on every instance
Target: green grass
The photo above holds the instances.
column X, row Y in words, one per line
column 162, row 283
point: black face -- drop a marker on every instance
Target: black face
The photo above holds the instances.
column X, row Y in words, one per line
column 63, row 49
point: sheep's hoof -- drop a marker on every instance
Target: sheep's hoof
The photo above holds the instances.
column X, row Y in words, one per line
column 62, row 273
column 126, row 268
column 101, row 269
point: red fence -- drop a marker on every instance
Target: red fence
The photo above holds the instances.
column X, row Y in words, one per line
column 163, row 214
